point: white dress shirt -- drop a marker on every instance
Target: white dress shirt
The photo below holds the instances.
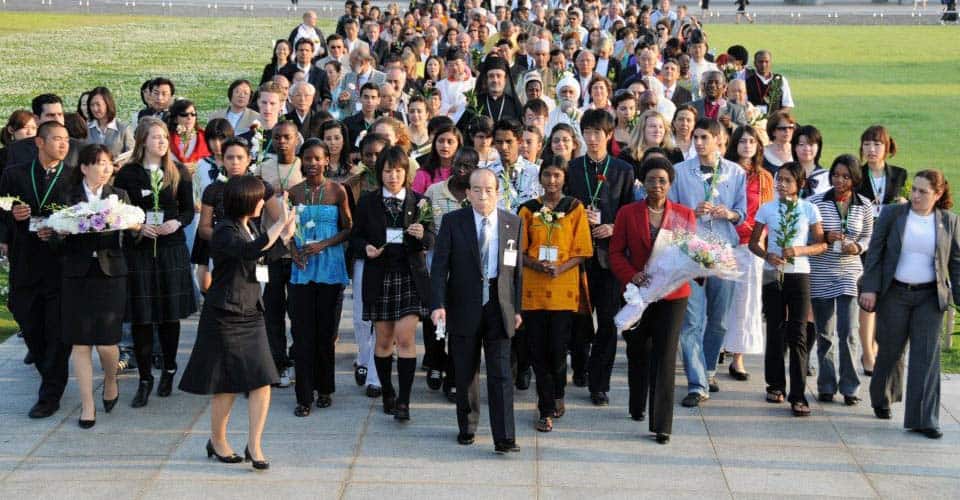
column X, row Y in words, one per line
column 493, row 261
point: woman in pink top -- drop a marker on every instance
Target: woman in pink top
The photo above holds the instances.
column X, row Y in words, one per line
column 436, row 165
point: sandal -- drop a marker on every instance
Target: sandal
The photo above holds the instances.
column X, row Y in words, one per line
column 302, row 410
column 774, row 396
column 800, row 409
column 545, row 424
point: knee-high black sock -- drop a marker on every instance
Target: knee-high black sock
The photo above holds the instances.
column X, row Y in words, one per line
column 406, row 370
column 385, row 371
column 142, row 349
column 169, row 343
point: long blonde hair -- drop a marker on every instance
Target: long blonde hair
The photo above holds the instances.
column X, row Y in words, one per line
column 637, row 147
column 171, row 174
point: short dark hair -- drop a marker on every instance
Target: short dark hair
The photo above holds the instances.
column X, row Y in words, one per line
column 41, row 100
column 878, row 133
column 370, row 86
column 657, row 163
column 235, row 142
column 303, row 41
column 179, row 106
column 393, row 157
column 108, row 102
column 853, row 166
column 597, row 119
column 481, row 124
column 511, row 125
column 710, row 125
column 539, row 107
column 44, row 129
column 311, row 143
column 241, row 195
column 554, row 162
column 797, row 171
column 372, row 139
column 218, row 128
column 739, row 52
column 813, row 135
column 237, row 83
column 623, row 95
column 438, row 122
column 90, row 154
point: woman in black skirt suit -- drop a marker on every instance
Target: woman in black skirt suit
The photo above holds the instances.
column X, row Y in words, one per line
column 396, row 285
column 160, row 285
column 94, row 292
column 231, row 354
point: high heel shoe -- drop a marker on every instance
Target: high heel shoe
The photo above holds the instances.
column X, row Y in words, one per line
column 143, row 393
column 232, row 459
column 165, row 387
column 257, row 464
column 86, row 424
column 108, row 404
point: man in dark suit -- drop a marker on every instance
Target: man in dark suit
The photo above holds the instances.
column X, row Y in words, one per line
column 476, row 276
column 303, row 57
column 35, row 277
column 379, row 48
column 715, row 106
column 45, row 107
column 302, row 97
column 363, row 119
column 669, row 74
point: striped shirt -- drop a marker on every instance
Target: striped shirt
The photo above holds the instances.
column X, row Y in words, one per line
column 833, row 274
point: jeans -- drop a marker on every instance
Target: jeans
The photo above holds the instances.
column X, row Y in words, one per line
column 837, row 320
column 785, row 305
column 363, row 330
column 704, row 327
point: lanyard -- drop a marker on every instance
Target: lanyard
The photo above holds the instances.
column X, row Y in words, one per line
column 33, row 178
column 586, row 178
column 878, row 188
column 843, row 215
column 503, row 103
column 283, row 181
column 311, row 195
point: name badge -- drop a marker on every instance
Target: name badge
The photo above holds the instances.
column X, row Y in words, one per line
column 154, row 218
column 35, row 224
column 263, row 276
column 510, row 254
column 838, row 246
column 394, row 235
column 549, row 254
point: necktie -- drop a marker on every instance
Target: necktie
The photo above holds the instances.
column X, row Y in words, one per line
column 485, row 256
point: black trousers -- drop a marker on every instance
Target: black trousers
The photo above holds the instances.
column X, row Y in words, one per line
column 580, row 339
column 275, row 294
column 652, row 361
column 519, row 353
column 313, row 321
column 465, row 350
column 168, row 336
column 37, row 312
column 605, row 296
column 548, row 333
column 786, row 306
column 435, row 354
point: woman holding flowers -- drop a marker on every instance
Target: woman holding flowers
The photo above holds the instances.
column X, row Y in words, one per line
column 786, row 232
column 94, row 286
column 160, row 288
column 318, row 276
column 652, row 344
column 556, row 237
column 392, row 230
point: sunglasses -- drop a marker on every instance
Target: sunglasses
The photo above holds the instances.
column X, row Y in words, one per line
column 785, row 127
column 187, row 115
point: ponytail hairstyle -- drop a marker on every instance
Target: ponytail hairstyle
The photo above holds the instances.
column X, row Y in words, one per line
column 938, row 182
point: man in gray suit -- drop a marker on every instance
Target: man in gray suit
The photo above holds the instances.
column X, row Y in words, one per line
column 362, row 73
column 713, row 104
column 476, row 275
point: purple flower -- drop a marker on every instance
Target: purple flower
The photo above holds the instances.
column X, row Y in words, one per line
column 83, row 226
column 98, row 222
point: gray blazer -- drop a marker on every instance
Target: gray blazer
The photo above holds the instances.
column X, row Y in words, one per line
column 738, row 115
column 118, row 140
column 243, row 125
column 376, row 77
column 884, row 253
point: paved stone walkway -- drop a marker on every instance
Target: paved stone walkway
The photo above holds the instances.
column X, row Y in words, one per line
column 736, row 446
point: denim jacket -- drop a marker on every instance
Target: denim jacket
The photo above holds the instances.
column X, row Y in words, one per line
column 690, row 190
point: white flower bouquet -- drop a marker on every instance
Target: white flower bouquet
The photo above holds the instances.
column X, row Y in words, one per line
column 97, row 216
column 7, row 202
column 678, row 256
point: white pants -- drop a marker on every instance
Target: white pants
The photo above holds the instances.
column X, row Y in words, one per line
column 363, row 330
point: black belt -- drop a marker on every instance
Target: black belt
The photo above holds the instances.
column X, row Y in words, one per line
column 915, row 286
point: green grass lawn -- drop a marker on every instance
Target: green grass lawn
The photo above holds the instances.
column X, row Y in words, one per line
column 843, row 78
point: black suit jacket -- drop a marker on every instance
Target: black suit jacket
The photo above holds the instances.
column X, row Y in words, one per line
column 24, row 151
column 235, row 287
column 293, row 117
column 681, row 95
column 317, row 77
column 458, row 278
column 135, row 180
column 77, row 248
column 370, row 227
column 895, row 177
column 616, row 191
column 355, row 125
column 32, row 262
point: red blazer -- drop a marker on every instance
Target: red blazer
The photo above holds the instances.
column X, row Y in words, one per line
column 200, row 150
column 631, row 245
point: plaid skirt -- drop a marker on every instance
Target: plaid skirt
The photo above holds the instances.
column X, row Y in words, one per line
column 160, row 289
column 398, row 298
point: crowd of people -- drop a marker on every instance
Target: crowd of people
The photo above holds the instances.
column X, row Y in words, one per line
column 496, row 176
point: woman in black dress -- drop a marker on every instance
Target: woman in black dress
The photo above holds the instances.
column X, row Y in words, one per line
column 94, row 291
column 232, row 354
column 389, row 232
column 160, row 285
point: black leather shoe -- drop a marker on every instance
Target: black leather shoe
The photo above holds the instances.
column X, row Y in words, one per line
column 402, row 413
column 302, row 411
column 109, row 404
column 324, row 401
column 360, row 375
column 143, row 393
column 508, row 446
column 851, row 400
column 663, row 438
column 390, row 405
column 374, row 391
column 434, row 379
column 694, row 399
column 165, row 387
column 232, row 459
column 825, row 397
column 465, row 439
column 257, row 464
column 580, row 379
column 882, row 413
column 28, row 359
column 599, row 399
column 738, row 375
column 713, row 385
column 639, row 417
column 43, row 409
column 523, row 380
column 86, row 424
column 930, row 433
column 451, row 395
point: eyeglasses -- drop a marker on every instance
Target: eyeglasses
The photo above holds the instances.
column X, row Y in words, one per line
column 187, row 115
column 785, row 127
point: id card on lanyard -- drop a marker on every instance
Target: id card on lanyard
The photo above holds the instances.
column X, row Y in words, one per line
column 36, row 222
